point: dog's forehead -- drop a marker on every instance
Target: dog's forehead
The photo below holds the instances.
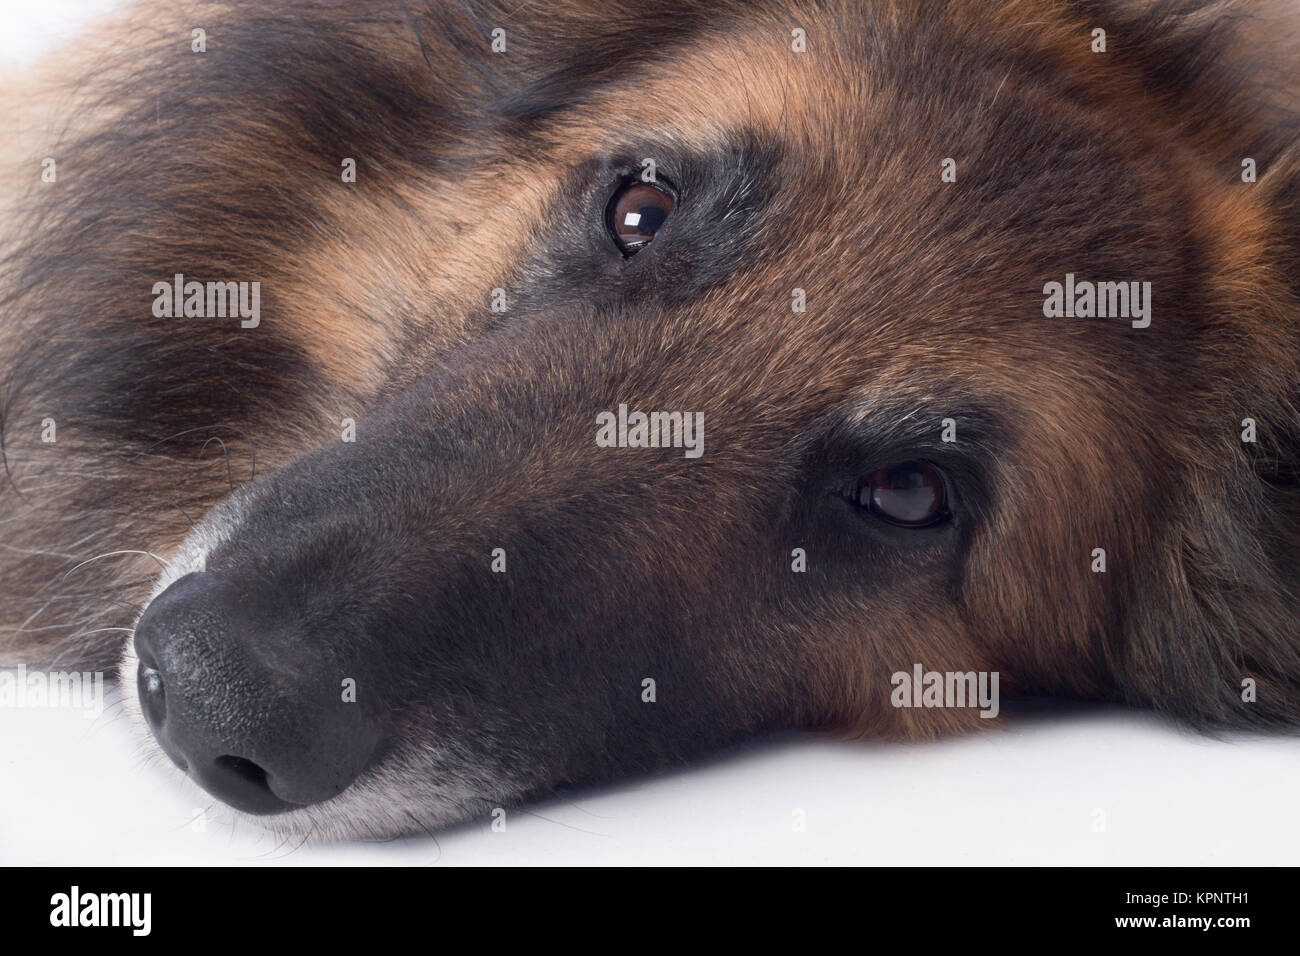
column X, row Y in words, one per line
column 699, row 95
column 900, row 264
column 830, row 78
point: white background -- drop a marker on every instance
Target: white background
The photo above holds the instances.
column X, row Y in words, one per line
column 78, row 791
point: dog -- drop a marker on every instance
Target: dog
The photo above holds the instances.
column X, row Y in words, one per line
column 430, row 405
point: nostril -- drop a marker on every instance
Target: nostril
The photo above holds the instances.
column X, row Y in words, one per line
column 245, row 770
column 153, row 696
column 251, row 737
column 242, row 784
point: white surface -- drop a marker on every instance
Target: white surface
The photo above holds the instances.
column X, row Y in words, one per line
column 77, row 792
column 30, row 28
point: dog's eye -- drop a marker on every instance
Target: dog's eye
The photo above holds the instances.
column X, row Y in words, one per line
column 636, row 213
column 911, row 494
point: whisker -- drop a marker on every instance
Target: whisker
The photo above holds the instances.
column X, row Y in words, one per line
column 559, row 823
column 110, row 554
column 252, row 448
column 427, row 832
column 230, row 474
column 4, row 460
column 168, row 501
column 101, row 630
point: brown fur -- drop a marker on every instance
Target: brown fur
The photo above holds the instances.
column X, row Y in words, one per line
column 923, row 295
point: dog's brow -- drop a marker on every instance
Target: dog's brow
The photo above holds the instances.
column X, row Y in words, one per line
column 921, row 421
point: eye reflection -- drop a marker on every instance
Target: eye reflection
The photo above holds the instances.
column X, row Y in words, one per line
column 636, row 213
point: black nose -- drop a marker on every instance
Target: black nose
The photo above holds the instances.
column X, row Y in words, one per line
column 254, row 711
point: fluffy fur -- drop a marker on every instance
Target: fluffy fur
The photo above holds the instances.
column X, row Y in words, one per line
column 818, row 171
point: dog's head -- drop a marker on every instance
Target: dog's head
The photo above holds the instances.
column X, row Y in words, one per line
column 693, row 368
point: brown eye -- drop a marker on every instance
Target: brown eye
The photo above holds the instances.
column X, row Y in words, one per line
column 636, row 213
column 911, row 494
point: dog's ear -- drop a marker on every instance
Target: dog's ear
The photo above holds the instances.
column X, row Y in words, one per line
column 1214, row 629
column 1212, row 623
column 1247, row 600
column 1279, row 188
column 1270, row 39
column 1275, row 455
